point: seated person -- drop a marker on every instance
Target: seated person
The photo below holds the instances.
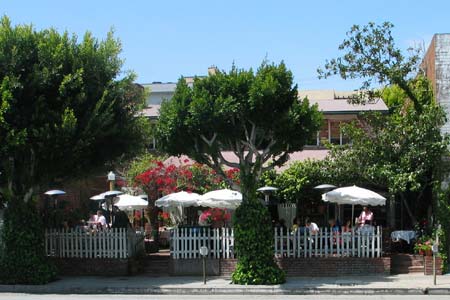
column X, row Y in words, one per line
column 347, row 227
column 100, row 220
column 334, row 225
column 311, row 226
column 295, row 225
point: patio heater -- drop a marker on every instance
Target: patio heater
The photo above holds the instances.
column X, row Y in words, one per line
column 267, row 190
column 111, row 179
column 325, row 187
column 53, row 194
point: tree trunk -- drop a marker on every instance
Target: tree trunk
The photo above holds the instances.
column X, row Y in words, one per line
column 408, row 210
column 153, row 212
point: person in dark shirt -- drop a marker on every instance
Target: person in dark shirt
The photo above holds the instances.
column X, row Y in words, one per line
column 120, row 219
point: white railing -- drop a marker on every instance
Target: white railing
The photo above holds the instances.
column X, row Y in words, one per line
column 365, row 242
column 186, row 242
column 111, row 243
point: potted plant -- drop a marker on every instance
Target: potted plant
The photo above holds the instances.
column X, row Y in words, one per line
column 423, row 246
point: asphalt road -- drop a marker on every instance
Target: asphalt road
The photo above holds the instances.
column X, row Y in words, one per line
column 8, row 296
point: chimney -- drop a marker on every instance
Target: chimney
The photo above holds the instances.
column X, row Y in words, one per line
column 212, row 70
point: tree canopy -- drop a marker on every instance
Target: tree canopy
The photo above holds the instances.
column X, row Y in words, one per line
column 66, row 108
column 370, row 53
column 256, row 115
column 402, row 152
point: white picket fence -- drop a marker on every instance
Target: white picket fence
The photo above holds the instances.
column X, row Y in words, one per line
column 186, row 243
column 366, row 242
column 111, row 243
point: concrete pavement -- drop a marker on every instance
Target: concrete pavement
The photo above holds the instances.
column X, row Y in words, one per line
column 411, row 284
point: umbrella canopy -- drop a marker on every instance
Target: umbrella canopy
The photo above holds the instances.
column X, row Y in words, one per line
column 354, row 195
column 221, row 199
column 105, row 195
column 129, row 202
column 178, row 199
column 55, row 192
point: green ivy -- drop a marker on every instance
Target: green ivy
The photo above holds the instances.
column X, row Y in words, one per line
column 443, row 215
column 23, row 259
column 254, row 246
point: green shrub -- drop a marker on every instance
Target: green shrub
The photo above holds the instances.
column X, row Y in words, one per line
column 23, row 260
column 254, row 246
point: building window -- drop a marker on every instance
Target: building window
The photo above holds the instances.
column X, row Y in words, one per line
column 330, row 132
column 335, row 132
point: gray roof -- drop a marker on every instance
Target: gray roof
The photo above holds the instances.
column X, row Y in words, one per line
column 151, row 111
column 328, row 101
column 336, row 102
column 158, row 87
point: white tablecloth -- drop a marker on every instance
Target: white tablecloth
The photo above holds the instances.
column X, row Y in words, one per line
column 406, row 235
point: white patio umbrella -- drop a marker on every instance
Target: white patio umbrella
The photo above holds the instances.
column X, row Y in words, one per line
column 221, row 199
column 354, row 195
column 130, row 202
column 183, row 199
column 105, row 195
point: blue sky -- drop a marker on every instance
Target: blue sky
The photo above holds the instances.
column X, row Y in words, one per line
column 163, row 40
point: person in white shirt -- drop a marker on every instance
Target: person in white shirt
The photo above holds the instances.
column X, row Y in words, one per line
column 312, row 227
column 100, row 220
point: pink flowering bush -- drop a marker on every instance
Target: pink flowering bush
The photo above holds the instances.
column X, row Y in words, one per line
column 214, row 215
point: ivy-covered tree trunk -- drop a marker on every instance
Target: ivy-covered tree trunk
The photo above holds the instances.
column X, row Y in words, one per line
column 23, row 259
column 153, row 213
column 254, row 239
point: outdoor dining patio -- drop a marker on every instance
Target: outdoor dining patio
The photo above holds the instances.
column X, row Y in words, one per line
column 213, row 229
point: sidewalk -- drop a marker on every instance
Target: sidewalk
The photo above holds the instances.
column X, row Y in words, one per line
column 364, row 285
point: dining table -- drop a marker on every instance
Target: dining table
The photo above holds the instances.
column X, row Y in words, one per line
column 406, row 235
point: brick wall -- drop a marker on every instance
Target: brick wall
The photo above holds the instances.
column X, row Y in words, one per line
column 92, row 266
column 194, row 266
column 334, row 266
column 308, row 267
column 428, row 265
column 436, row 64
column 227, row 266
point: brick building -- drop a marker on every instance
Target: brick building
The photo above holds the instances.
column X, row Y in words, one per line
column 436, row 65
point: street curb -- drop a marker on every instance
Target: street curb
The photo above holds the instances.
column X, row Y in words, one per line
column 32, row 289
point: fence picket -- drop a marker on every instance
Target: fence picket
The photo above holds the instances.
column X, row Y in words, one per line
column 186, row 243
column 68, row 243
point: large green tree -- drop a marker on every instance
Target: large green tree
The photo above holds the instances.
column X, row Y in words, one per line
column 66, row 109
column 369, row 53
column 257, row 116
column 402, row 152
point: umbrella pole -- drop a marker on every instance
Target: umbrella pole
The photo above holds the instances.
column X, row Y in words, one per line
column 353, row 214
